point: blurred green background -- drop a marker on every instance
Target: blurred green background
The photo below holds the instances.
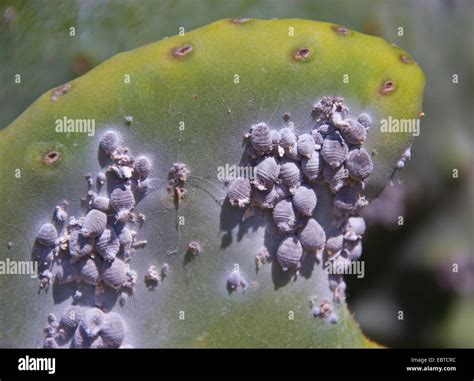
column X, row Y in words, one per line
column 409, row 268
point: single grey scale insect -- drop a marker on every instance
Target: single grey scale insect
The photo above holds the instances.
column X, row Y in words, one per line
column 312, row 236
column 334, row 151
column 287, row 137
column 47, row 234
column 355, row 228
column 333, row 318
column 353, row 132
column 306, row 145
column 107, row 244
column 289, row 253
column 100, row 178
column 114, row 274
column 101, row 203
column 123, row 201
column 285, row 216
column 291, row 175
column 292, row 152
column 335, row 177
column 365, row 120
column 265, row 199
column 143, row 166
column 66, row 273
column 71, row 317
column 239, row 192
column 267, row 172
column 359, row 164
column 334, row 243
column 79, row 246
column 235, row 280
column 113, row 330
column 304, row 200
column 317, row 137
column 94, row 223
column 261, row 138
column 110, row 141
column 89, row 270
column 92, row 321
column 312, row 167
column 353, row 249
column 125, row 236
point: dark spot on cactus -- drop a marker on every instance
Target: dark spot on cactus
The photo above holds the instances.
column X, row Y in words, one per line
column 405, row 59
column 341, row 30
column 387, row 87
column 51, row 157
column 82, row 64
column 286, row 116
column 302, row 54
column 243, row 20
column 182, row 51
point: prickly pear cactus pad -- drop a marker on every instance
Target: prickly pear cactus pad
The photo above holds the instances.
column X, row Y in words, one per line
column 204, row 190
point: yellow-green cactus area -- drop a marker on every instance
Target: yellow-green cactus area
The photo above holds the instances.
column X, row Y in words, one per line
column 192, row 98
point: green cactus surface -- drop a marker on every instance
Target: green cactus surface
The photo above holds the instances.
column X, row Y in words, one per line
column 192, row 98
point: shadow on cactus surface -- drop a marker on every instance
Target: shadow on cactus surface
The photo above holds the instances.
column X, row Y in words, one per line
column 191, row 99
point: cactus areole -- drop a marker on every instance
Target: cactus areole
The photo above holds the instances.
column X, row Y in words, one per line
column 229, row 95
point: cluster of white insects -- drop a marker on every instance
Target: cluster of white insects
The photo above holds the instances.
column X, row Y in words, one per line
column 95, row 250
column 288, row 169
